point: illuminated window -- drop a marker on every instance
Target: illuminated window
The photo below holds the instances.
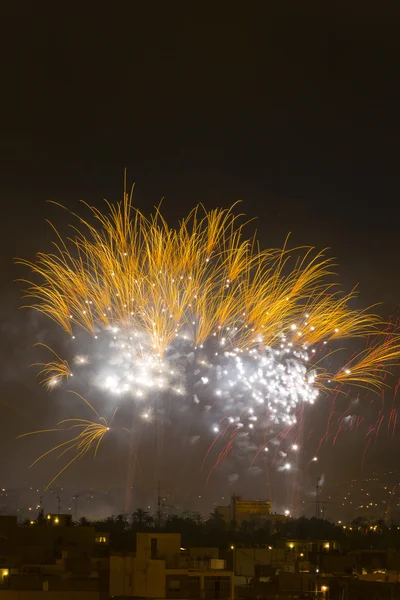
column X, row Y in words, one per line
column 101, row 539
column 326, row 545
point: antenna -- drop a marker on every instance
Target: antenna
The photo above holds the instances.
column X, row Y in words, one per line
column 317, row 500
column 76, row 498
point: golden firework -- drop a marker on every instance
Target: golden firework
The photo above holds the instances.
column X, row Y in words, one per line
column 54, row 371
column 202, row 280
column 87, row 436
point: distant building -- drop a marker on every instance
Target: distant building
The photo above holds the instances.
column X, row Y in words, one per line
column 160, row 569
column 244, row 510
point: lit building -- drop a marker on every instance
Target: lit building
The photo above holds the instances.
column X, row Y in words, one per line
column 60, row 520
column 244, row 510
column 310, row 546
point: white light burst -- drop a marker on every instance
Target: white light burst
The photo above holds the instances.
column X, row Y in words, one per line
column 261, row 387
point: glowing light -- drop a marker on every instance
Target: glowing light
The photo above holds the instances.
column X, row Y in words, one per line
column 81, row 360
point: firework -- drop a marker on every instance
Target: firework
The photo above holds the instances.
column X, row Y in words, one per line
column 87, row 436
column 201, row 311
column 53, row 372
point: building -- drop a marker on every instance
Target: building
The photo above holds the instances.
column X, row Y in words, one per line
column 161, row 569
column 243, row 510
column 52, row 556
column 255, row 562
column 57, row 519
column 308, row 547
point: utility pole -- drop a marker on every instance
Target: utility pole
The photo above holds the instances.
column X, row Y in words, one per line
column 58, row 504
column 158, row 505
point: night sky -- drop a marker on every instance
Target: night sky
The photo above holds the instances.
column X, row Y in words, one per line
column 295, row 114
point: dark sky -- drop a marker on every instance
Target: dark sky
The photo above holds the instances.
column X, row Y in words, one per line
column 296, row 114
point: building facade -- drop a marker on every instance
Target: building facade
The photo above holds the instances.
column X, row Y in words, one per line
column 159, row 569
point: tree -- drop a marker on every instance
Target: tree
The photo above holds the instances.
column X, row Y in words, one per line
column 141, row 519
column 121, row 522
column 25, row 523
column 217, row 529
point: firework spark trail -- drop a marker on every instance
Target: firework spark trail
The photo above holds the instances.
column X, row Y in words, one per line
column 222, row 455
column 378, row 428
column 384, row 413
column 89, row 436
column 53, row 372
column 257, row 454
column 203, row 305
column 337, row 433
column 359, row 421
column 221, row 434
